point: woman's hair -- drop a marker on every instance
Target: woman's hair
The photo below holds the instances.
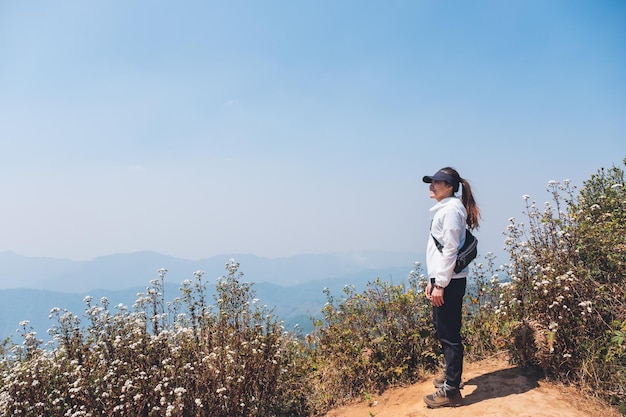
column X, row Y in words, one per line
column 473, row 213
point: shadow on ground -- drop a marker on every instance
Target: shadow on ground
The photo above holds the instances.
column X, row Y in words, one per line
column 497, row 384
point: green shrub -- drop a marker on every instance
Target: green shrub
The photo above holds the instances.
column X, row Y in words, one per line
column 485, row 329
column 384, row 336
column 367, row 341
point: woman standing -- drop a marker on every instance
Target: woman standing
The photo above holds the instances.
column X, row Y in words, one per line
column 446, row 289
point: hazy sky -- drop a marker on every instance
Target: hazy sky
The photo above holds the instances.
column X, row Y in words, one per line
column 276, row 128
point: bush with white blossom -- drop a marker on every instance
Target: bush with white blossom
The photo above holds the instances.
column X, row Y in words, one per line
column 568, row 285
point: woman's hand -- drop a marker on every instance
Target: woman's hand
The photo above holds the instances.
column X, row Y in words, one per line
column 436, row 296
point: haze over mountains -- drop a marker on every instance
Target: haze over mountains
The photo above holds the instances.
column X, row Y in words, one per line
column 293, row 287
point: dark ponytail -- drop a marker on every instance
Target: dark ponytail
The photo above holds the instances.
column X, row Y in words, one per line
column 467, row 198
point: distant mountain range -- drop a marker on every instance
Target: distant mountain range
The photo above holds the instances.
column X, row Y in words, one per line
column 293, row 287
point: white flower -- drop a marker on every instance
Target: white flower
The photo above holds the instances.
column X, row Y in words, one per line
column 616, row 186
column 525, row 197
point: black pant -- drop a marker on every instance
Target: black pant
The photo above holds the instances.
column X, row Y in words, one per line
column 447, row 322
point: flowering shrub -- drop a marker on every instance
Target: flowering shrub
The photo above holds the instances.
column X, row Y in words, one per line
column 184, row 358
column 567, row 295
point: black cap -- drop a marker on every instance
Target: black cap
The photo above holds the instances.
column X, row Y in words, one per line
column 443, row 176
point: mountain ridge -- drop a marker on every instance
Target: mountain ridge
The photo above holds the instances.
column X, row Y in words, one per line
column 119, row 271
column 291, row 287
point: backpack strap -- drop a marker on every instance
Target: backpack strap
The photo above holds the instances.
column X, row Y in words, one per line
column 467, row 235
column 437, row 244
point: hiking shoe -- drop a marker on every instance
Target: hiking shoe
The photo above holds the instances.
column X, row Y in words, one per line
column 446, row 396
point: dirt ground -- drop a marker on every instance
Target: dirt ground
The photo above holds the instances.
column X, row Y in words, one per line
column 492, row 388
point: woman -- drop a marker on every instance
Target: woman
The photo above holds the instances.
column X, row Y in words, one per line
column 445, row 289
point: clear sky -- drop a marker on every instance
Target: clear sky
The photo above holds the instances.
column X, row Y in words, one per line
column 199, row 128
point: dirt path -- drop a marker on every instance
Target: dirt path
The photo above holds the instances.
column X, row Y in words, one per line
column 492, row 388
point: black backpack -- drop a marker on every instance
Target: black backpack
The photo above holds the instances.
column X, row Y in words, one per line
column 466, row 254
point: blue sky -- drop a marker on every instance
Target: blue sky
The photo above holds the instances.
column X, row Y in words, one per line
column 276, row 128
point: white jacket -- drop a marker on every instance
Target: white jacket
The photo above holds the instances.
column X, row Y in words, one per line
column 448, row 219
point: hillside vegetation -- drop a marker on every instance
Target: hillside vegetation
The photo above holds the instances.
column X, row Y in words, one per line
column 558, row 307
